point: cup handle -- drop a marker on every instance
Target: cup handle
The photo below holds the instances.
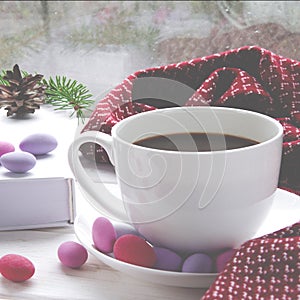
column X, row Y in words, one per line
column 97, row 193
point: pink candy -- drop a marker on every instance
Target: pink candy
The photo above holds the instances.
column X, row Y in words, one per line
column 16, row 267
column 104, row 235
column 223, row 258
column 134, row 250
column 6, row 147
column 72, row 254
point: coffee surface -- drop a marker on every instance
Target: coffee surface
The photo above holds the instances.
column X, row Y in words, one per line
column 195, row 142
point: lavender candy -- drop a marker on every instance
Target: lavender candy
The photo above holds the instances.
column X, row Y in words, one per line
column 124, row 228
column 18, row 162
column 167, row 259
column 198, row 263
column 38, row 143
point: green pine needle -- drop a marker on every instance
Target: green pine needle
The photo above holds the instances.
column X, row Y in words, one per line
column 67, row 94
column 3, row 74
column 2, row 80
column 63, row 93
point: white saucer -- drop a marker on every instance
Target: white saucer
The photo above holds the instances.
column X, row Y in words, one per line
column 285, row 211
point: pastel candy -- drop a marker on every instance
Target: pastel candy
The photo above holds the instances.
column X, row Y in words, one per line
column 103, row 234
column 18, row 162
column 167, row 259
column 223, row 258
column 72, row 254
column 38, row 143
column 124, row 228
column 134, row 250
column 6, row 147
column 198, row 263
column 16, row 267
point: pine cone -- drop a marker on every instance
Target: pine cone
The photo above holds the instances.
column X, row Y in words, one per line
column 21, row 95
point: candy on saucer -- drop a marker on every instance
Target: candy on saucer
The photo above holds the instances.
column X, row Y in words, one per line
column 134, row 250
column 124, row 228
column 198, row 263
column 123, row 242
column 223, row 258
column 167, row 259
column 103, row 234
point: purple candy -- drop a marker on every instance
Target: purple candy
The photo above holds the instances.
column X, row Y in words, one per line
column 224, row 258
column 38, row 143
column 103, row 234
column 6, row 147
column 18, row 162
column 123, row 228
column 167, row 259
column 198, row 263
column 72, row 254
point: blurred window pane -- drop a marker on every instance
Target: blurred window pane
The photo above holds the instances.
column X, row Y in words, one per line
column 99, row 43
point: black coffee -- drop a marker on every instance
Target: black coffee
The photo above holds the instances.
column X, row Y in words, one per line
column 195, row 142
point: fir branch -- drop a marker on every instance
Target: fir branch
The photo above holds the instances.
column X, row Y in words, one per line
column 5, row 82
column 2, row 80
column 67, row 94
column 63, row 93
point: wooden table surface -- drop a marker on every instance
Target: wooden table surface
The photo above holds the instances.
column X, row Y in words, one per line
column 94, row 280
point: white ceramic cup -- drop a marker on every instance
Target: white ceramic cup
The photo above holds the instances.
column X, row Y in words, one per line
column 188, row 201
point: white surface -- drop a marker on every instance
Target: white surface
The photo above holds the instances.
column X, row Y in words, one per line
column 43, row 196
column 28, row 204
column 284, row 212
column 94, row 280
column 44, row 120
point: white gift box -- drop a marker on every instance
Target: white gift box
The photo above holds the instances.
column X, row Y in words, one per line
column 43, row 196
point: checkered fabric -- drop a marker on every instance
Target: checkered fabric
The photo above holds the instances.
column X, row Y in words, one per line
column 266, row 268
